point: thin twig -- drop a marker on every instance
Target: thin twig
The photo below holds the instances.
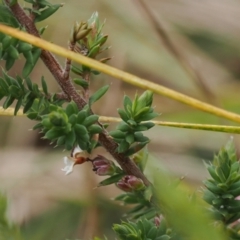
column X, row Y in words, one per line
column 196, row 126
column 170, row 46
column 68, row 62
column 86, row 77
column 51, row 63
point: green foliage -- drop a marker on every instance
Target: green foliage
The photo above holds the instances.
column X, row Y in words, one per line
column 90, row 40
column 42, row 9
column 7, row 229
column 7, row 18
column 141, row 203
column 161, row 212
column 35, row 101
column 184, row 212
column 98, row 94
column 129, row 132
column 140, row 160
column 70, row 127
column 223, row 188
column 10, row 50
column 142, row 229
column 113, row 179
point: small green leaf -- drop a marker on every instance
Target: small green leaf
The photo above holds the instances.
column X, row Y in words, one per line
column 44, row 86
column 94, row 51
column 70, row 140
column 73, row 119
column 98, row 94
column 130, row 138
column 28, row 56
column 24, row 47
column 32, row 115
column 81, row 116
column 53, row 133
column 80, row 129
column 127, row 102
column 30, row 63
column 8, row 102
column 136, row 148
column 95, row 72
column 7, row 18
column 76, row 70
column 90, row 120
column 124, row 116
column 28, row 105
column 37, row 126
column 29, row 83
column 146, row 117
column 18, row 105
column 15, row 91
column 113, row 179
column 13, row 52
column 117, row 134
column 123, row 146
column 4, row 86
column 61, row 140
column 81, row 82
column 6, row 42
column 71, row 109
column 94, row 129
column 47, row 12
column 9, row 63
column 139, row 137
column 124, row 127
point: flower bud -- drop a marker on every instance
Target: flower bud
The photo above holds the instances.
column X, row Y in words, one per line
column 130, row 183
column 103, row 166
column 58, row 119
column 147, row 98
column 82, row 34
column 157, row 220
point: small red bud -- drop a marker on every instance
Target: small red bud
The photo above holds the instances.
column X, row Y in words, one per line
column 80, row 160
column 130, row 183
column 157, row 220
column 103, row 166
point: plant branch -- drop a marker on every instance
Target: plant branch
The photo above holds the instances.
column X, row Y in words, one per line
column 170, row 46
column 51, row 63
column 117, row 73
column 67, row 68
column 196, row 126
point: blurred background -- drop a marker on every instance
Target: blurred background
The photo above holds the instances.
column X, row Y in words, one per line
column 187, row 45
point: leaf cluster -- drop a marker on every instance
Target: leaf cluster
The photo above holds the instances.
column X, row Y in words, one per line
column 223, row 188
column 7, row 230
column 142, row 206
column 69, row 127
column 27, row 94
column 90, row 43
column 142, row 229
column 129, row 134
column 11, row 48
column 41, row 9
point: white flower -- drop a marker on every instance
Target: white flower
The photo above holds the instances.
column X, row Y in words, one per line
column 77, row 150
column 69, row 164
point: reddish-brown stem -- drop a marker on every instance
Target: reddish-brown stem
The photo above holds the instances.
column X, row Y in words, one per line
column 86, row 77
column 70, row 92
column 68, row 62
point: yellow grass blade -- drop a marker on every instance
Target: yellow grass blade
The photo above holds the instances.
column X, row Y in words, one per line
column 117, row 73
column 208, row 127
